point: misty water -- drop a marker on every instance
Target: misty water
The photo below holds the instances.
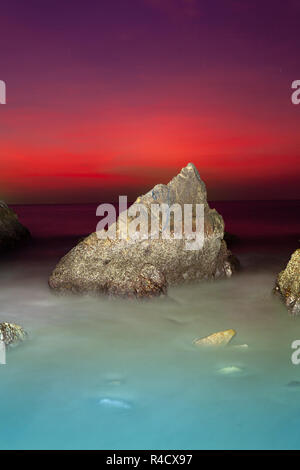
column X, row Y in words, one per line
column 99, row 374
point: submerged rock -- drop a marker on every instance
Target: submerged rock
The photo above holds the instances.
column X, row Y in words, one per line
column 144, row 267
column 12, row 232
column 229, row 370
column 114, row 403
column 12, row 334
column 294, row 384
column 241, row 346
column 216, row 339
column 288, row 284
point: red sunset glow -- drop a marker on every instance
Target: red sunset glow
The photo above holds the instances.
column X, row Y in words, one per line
column 94, row 111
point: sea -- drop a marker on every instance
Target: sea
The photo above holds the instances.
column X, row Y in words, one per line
column 102, row 374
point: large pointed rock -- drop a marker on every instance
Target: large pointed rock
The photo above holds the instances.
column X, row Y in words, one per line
column 288, row 284
column 143, row 268
column 12, row 232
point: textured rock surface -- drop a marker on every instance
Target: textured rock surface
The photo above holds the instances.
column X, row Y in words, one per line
column 288, row 284
column 216, row 339
column 144, row 268
column 12, row 233
column 12, row 334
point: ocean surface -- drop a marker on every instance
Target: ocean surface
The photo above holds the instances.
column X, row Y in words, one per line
column 99, row 374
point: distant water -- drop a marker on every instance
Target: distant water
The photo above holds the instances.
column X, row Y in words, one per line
column 100, row 374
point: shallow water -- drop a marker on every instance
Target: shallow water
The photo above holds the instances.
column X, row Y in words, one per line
column 100, row 374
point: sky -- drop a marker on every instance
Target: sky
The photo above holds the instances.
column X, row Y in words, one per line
column 106, row 98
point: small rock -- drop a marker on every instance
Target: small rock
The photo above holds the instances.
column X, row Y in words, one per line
column 230, row 370
column 12, row 334
column 216, row 339
column 12, row 232
column 288, row 284
column 294, row 383
column 115, row 383
column 114, row 403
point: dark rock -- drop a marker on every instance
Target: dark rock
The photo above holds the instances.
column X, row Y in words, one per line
column 231, row 239
column 287, row 285
column 11, row 334
column 12, row 232
column 294, row 384
column 143, row 268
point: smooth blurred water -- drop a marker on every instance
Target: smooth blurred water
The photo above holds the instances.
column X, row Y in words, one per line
column 98, row 374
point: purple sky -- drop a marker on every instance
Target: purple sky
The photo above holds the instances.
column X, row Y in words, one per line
column 111, row 97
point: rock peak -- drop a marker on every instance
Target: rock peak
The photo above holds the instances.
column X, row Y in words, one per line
column 191, row 168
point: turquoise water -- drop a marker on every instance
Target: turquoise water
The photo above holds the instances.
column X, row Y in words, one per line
column 99, row 374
